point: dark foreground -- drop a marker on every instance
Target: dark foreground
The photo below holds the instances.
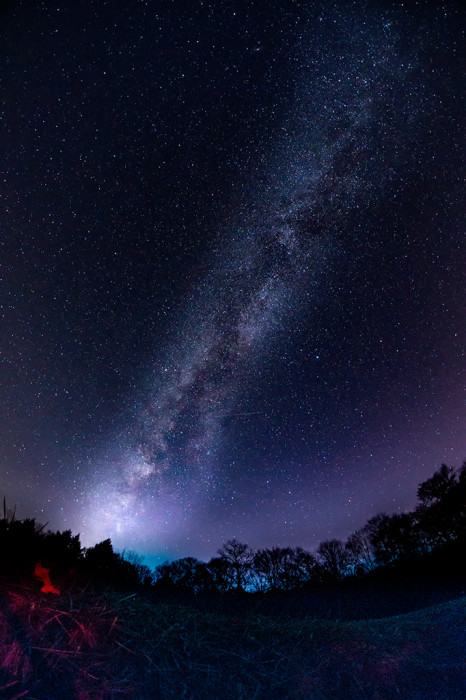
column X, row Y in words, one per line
column 91, row 646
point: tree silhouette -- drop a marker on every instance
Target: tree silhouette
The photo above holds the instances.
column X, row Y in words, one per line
column 238, row 557
column 333, row 557
column 219, row 572
column 145, row 575
column 187, row 575
column 438, row 486
column 394, row 538
column 436, row 530
column 361, row 557
column 441, row 515
column 103, row 565
column 283, row 568
column 274, row 567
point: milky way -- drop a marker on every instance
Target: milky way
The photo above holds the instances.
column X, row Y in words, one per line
column 231, row 267
column 336, row 151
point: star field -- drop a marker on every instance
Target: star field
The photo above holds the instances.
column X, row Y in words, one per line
column 232, row 269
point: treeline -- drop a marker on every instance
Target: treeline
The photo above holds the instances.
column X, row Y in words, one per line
column 433, row 534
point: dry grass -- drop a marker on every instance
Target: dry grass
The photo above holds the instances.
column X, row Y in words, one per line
column 54, row 647
column 102, row 647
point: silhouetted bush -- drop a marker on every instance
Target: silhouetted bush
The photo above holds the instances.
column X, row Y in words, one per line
column 60, row 550
column 19, row 545
column 103, row 566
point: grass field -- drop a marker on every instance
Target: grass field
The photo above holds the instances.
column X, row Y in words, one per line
column 90, row 646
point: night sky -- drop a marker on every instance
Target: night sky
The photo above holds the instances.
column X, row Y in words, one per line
column 232, row 266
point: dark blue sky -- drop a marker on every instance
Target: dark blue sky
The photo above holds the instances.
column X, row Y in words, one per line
column 232, row 267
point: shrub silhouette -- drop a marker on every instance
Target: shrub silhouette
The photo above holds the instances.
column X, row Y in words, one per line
column 19, row 545
column 61, row 550
column 103, row 565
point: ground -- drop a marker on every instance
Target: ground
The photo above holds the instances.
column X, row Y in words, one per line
column 93, row 645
